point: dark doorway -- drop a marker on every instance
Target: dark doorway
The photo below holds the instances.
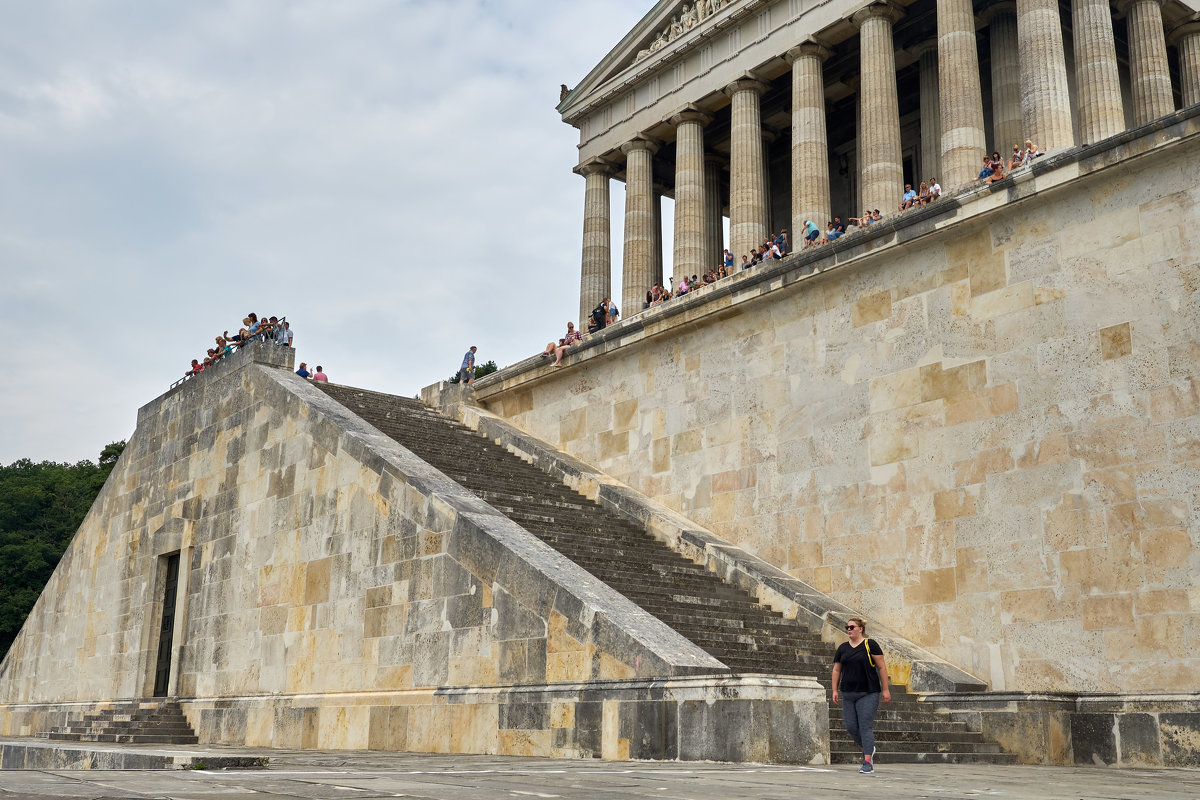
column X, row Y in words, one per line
column 162, row 670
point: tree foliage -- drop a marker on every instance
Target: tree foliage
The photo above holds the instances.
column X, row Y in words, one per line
column 41, row 507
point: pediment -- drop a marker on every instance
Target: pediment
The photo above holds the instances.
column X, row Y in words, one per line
column 669, row 22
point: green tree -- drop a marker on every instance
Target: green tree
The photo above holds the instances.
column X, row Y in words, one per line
column 41, row 507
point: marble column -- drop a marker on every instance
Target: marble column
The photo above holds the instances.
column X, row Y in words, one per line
column 931, row 113
column 1186, row 39
column 714, row 233
column 595, row 282
column 747, row 195
column 963, row 142
column 1008, row 127
column 810, row 139
column 656, row 275
column 879, row 127
column 638, row 259
column 689, row 251
column 1149, row 75
column 1045, row 99
column 1101, row 111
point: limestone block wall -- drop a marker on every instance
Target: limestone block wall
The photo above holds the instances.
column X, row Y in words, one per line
column 978, row 424
column 332, row 586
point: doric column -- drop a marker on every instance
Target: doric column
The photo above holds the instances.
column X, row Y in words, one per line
column 714, row 234
column 879, row 126
column 931, row 113
column 1008, row 127
column 595, row 280
column 638, row 263
column 769, row 137
column 963, row 140
column 1101, row 112
column 1045, row 100
column 689, row 249
column 747, row 195
column 810, row 139
column 1149, row 74
column 1186, row 39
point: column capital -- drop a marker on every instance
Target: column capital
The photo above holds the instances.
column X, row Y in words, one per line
column 747, row 83
column 810, row 49
column 640, row 143
column 1182, row 31
column 1123, row 6
column 690, row 114
column 596, row 166
column 1006, row 7
column 886, row 10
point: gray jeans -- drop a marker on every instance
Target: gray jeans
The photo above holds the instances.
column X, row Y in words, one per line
column 858, row 714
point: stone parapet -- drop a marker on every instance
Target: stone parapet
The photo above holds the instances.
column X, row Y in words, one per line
column 1125, row 730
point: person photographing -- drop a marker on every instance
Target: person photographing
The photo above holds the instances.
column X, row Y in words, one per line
column 860, row 680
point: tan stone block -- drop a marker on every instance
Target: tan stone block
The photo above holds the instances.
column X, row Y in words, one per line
column 954, row 503
column 1103, row 570
column 1115, row 341
column 1167, row 557
column 892, row 445
column 1051, row 450
column 1163, row 601
column 1114, row 485
column 936, row 586
column 823, row 579
column 1166, row 512
column 572, row 425
column 928, row 546
column 734, row 480
column 987, row 275
column 524, row 743
column 871, row 308
column 486, row 596
column 686, row 442
column 1107, row 612
column 612, row 668
column 1153, row 637
column 1039, row 605
column 1176, row 401
column 982, row 404
column 429, row 729
column 1072, row 525
column 1129, row 442
column 571, row 666
column 557, row 638
column 316, row 581
column 397, row 677
column 625, row 415
column 1007, row 300
column 613, row 444
column 472, row 671
column 976, row 469
column 660, row 455
column 801, row 555
column 431, row 543
column 938, row 383
column 1047, row 294
column 897, row 390
column 960, row 299
column 473, row 728
column 388, row 728
column 971, row 570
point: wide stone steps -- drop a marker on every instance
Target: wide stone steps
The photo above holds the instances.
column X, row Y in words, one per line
column 138, row 722
column 722, row 619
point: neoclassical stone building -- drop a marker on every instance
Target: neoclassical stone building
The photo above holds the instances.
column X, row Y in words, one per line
column 773, row 112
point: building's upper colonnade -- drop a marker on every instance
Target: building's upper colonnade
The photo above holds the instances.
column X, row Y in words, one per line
column 775, row 112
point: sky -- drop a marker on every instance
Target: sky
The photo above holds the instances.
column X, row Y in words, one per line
column 390, row 175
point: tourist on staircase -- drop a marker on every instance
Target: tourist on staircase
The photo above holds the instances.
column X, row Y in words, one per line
column 859, row 682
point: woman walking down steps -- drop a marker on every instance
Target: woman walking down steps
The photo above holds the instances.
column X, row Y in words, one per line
column 860, row 680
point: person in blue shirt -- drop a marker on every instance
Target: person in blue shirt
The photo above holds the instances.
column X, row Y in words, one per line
column 466, row 372
column 303, row 371
column 909, row 199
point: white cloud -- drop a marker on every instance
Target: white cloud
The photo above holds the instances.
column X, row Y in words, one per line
column 392, row 176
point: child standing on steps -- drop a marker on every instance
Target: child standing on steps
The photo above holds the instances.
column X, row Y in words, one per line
column 860, row 680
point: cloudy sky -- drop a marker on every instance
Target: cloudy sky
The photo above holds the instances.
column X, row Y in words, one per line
column 391, row 175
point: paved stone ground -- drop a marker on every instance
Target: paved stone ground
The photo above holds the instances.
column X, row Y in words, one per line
column 295, row 774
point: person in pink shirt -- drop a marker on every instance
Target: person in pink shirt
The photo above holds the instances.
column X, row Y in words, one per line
column 320, row 375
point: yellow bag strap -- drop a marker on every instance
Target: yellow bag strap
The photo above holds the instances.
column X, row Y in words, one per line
column 867, row 642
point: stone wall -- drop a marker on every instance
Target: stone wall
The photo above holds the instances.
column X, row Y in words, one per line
column 978, row 422
column 337, row 592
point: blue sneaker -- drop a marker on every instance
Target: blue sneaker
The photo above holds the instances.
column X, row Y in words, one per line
column 867, row 768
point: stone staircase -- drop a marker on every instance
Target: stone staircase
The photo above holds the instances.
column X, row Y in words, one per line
column 722, row 619
column 157, row 721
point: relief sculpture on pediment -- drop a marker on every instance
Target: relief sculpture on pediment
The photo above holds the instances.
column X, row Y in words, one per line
column 689, row 16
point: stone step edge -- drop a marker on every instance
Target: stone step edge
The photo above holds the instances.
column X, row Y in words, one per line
column 39, row 754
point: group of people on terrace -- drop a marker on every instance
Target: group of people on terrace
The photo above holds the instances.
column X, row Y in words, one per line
column 271, row 329
column 996, row 168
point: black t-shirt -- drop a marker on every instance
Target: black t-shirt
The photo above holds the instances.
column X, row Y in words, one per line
column 856, row 669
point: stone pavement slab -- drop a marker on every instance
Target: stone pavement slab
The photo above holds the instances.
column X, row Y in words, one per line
column 367, row 775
